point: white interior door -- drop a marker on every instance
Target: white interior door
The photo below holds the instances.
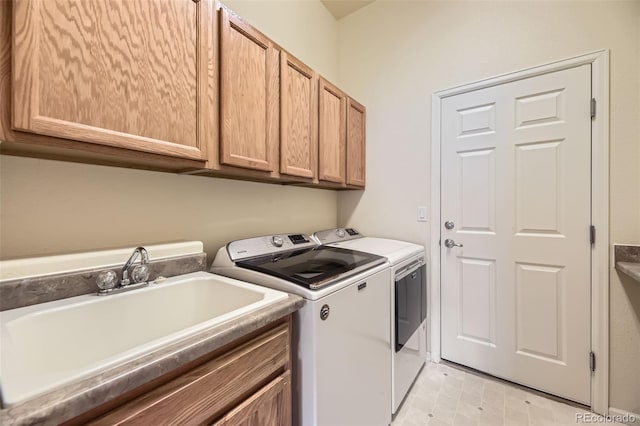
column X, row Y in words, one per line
column 516, row 185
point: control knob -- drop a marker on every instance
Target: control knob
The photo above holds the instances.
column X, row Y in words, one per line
column 341, row 233
column 277, row 241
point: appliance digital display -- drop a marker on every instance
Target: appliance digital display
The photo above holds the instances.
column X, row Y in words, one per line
column 298, row 239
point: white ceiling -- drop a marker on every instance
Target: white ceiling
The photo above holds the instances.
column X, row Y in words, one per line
column 341, row 8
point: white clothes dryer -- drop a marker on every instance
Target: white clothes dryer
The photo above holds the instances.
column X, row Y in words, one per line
column 408, row 290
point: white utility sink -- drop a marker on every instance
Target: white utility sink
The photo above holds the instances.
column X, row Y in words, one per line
column 47, row 345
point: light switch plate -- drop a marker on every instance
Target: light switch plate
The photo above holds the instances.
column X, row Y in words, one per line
column 422, row 214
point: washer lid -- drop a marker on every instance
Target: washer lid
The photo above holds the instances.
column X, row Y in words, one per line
column 313, row 268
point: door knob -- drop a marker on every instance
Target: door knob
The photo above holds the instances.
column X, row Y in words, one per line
column 449, row 243
column 449, row 224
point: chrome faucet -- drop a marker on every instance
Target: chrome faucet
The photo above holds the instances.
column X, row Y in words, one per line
column 138, row 272
column 107, row 280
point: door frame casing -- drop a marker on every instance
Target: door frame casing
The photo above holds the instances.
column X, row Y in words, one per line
column 599, row 61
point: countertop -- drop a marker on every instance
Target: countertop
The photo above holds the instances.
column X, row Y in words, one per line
column 627, row 259
column 74, row 399
column 630, row 268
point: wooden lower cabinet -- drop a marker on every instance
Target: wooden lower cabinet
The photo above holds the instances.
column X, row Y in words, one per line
column 271, row 405
column 249, row 384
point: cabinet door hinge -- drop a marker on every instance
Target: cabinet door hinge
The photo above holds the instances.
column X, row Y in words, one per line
column 592, row 234
column 593, row 107
column 592, row 361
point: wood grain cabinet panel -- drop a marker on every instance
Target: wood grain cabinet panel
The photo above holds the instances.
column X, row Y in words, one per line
column 332, row 144
column 298, row 118
column 120, row 73
column 164, row 85
column 356, row 140
column 210, row 391
column 248, row 92
column 270, row 406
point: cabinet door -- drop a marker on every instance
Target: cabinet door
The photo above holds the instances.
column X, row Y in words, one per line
column 249, row 96
column 122, row 73
column 298, row 118
column 207, row 391
column 356, row 158
column 332, row 143
column 270, row 406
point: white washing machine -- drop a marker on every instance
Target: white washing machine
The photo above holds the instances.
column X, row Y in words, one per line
column 408, row 291
column 341, row 342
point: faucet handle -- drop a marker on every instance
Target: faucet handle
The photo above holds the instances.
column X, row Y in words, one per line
column 140, row 273
column 107, row 280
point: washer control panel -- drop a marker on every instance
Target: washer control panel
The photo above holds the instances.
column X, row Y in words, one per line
column 251, row 247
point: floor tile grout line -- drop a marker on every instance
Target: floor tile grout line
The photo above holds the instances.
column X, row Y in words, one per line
column 514, row 385
column 540, row 408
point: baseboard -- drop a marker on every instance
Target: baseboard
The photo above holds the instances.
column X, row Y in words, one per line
column 626, row 417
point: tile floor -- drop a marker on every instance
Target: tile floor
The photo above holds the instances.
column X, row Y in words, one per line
column 444, row 395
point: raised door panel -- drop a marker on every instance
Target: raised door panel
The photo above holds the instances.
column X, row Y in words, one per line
column 541, row 311
column 356, row 158
column 248, row 95
column 332, row 144
column 105, row 72
column 270, row 406
column 298, row 118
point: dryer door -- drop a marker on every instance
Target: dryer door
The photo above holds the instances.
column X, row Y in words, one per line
column 410, row 310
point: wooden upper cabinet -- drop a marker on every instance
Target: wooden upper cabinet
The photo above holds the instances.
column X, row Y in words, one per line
column 332, row 145
column 249, row 80
column 122, row 73
column 356, row 140
column 298, row 118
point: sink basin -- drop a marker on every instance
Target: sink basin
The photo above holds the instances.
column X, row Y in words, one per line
column 51, row 344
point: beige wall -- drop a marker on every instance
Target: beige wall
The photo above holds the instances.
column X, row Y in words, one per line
column 395, row 54
column 51, row 207
column 55, row 207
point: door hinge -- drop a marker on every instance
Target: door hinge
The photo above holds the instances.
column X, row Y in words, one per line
column 593, row 107
column 592, row 234
column 592, row 361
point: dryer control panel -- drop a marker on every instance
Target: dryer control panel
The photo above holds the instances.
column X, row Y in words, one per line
column 335, row 235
